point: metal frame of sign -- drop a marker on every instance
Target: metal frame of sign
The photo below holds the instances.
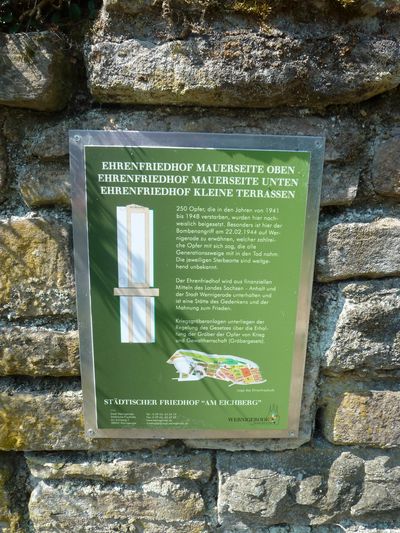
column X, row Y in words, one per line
column 79, row 139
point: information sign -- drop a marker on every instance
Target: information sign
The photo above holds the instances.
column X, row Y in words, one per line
column 194, row 259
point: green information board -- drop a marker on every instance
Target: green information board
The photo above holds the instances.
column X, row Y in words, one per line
column 194, row 258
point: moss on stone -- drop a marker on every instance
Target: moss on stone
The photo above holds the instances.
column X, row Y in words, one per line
column 27, row 283
column 257, row 8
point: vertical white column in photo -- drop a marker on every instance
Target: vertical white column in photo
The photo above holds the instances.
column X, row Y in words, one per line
column 135, row 245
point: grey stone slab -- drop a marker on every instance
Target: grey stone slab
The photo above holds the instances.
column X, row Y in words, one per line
column 339, row 184
column 35, row 70
column 361, row 328
column 126, row 468
column 386, row 168
column 45, row 184
column 160, row 506
column 294, row 65
column 359, row 249
column 307, row 487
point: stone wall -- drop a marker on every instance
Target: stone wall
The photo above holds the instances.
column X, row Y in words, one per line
column 329, row 67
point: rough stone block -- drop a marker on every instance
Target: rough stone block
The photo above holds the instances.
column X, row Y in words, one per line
column 50, row 417
column 160, row 506
column 40, row 420
column 3, row 168
column 35, row 71
column 355, row 249
column 310, row 486
column 38, row 352
column 92, row 492
column 364, row 418
column 360, row 327
column 245, row 69
column 125, row 468
column 380, row 490
column 386, row 168
column 36, row 276
column 339, row 184
column 45, row 185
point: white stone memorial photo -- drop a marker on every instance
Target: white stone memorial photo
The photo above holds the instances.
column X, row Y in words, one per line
column 136, row 274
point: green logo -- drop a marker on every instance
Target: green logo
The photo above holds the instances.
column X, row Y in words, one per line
column 273, row 416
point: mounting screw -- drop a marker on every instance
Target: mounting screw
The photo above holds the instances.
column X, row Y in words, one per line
column 77, row 138
column 291, row 434
column 90, row 433
column 318, row 144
